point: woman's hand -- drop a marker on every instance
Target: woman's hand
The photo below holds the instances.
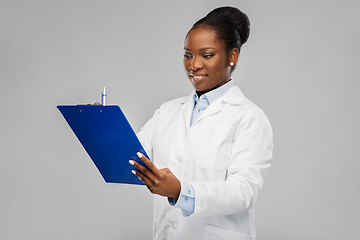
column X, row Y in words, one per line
column 159, row 181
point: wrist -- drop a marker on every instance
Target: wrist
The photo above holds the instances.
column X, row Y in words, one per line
column 177, row 190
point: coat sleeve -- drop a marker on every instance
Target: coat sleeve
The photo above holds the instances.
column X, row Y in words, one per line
column 248, row 165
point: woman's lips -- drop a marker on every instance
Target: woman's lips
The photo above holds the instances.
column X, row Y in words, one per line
column 198, row 78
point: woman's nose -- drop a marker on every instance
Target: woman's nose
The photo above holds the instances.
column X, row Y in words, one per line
column 196, row 64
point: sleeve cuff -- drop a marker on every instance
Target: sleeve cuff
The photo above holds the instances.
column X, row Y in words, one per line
column 186, row 200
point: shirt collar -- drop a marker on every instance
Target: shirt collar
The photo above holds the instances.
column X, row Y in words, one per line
column 217, row 93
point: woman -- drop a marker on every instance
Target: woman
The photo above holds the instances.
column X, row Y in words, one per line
column 210, row 150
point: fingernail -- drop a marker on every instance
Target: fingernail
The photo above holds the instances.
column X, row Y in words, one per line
column 133, row 171
column 140, row 179
column 139, row 154
column 131, row 162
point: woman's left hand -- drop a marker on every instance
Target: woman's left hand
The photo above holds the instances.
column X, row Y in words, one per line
column 159, row 181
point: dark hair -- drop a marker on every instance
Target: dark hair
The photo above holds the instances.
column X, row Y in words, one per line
column 231, row 26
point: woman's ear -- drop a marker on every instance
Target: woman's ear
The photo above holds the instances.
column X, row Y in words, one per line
column 233, row 56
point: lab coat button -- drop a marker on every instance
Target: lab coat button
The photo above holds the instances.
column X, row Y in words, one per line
column 174, row 226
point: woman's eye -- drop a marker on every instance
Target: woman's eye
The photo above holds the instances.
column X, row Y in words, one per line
column 209, row 55
column 187, row 56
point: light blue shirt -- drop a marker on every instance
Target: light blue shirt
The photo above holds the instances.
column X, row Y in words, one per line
column 186, row 200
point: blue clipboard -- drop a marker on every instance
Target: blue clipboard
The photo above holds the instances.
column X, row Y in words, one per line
column 108, row 138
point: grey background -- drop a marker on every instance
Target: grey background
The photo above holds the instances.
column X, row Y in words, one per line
column 300, row 66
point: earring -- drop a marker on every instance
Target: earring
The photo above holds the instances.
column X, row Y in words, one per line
column 231, row 64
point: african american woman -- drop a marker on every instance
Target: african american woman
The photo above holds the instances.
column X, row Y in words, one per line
column 210, row 151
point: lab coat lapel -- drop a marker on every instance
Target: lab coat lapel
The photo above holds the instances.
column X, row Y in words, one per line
column 212, row 109
column 233, row 96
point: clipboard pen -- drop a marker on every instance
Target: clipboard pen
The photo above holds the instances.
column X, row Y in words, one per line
column 107, row 137
column 103, row 97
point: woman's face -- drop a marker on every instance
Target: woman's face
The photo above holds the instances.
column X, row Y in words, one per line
column 206, row 62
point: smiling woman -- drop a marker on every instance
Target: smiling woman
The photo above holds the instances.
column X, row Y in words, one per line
column 211, row 150
column 213, row 45
column 206, row 62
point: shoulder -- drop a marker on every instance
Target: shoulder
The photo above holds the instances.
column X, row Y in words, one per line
column 244, row 111
column 237, row 99
column 176, row 101
column 174, row 104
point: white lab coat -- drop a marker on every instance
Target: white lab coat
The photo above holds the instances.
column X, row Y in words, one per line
column 225, row 155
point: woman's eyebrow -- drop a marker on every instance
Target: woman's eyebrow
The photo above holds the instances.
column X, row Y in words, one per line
column 201, row 49
column 207, row 48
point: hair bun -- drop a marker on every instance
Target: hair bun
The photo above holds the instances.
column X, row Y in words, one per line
column 238, row 19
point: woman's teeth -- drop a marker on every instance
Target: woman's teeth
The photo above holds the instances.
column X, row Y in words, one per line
column 197, row 77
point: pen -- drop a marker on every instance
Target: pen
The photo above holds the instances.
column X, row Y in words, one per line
column 103, row 97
